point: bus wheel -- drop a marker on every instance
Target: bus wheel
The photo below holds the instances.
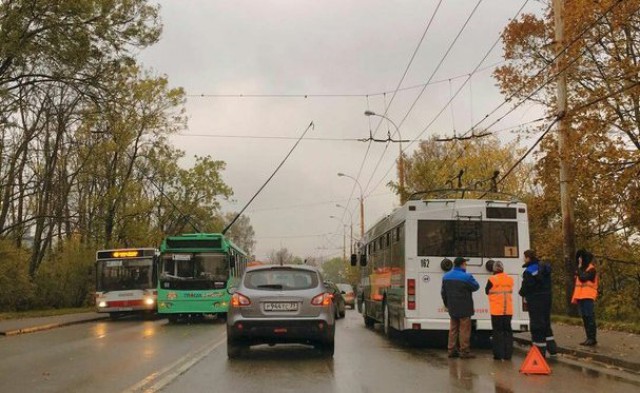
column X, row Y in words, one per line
column 385, row 320
column 173, row 318
column 368, row 321
column 222, row 317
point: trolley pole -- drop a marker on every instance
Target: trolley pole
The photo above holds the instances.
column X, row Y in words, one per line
column 564, row 144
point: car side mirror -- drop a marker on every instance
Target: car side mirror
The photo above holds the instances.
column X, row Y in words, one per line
column 354, row 259
column 363, row 259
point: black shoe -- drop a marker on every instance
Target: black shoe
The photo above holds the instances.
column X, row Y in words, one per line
column 453, row 355
column 467, row 356
column 584, row 342
column 590, row 343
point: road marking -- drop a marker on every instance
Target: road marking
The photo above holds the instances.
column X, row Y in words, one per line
column 168, row 374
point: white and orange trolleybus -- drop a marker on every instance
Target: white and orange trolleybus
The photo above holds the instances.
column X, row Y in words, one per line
column 405, row 255
column 126, row 281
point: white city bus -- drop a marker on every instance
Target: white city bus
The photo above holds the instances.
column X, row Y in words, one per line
column 126, row 281
column 407, row 253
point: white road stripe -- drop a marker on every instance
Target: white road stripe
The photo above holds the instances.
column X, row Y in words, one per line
column 168, row 374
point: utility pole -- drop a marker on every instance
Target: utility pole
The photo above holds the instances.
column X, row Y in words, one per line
column 344, row 243
column 566, row 177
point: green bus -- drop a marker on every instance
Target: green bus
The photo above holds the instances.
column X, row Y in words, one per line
column 195, row 272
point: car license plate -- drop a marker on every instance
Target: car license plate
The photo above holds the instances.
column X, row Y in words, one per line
column 281, row 306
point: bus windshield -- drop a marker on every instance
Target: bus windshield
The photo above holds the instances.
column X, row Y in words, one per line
column 497, row 239
column 125, row 274
column 197, row 266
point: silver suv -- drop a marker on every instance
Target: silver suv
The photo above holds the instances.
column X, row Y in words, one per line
column 280, row 304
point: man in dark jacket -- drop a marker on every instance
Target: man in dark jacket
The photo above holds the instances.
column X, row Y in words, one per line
column 457, row 286
column 536, row 290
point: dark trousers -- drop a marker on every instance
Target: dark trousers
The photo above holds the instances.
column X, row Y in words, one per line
column 502, row 336
column 587, row 311
column 540, row 318
column 459, row 335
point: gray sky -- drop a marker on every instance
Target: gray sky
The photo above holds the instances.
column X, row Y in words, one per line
column 323, row 47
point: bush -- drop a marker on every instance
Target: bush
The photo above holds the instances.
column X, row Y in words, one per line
column 16, row 290
column 66, row 279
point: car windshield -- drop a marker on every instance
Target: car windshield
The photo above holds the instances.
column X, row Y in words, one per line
column 346, row 288
column 116, row 275
column 281, row 279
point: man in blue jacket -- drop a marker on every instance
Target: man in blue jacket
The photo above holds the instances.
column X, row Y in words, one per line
column 536, row 290
column 457, row 287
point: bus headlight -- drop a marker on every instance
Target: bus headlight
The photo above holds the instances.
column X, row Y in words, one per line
column 102, row 304
column 149, row 301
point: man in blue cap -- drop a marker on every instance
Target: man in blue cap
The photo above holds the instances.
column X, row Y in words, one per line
column 457, row 287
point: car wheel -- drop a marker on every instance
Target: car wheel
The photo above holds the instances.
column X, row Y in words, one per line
column 326, row 348
column 234, row 349
column 368, row 321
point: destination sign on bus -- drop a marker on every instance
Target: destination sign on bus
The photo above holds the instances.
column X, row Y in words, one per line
column 123, row 254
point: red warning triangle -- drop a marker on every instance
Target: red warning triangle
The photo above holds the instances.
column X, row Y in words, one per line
column 534, row 363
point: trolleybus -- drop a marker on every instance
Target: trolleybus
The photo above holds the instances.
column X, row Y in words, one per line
column 406, row 254
column 195, row 272
column 126, row 281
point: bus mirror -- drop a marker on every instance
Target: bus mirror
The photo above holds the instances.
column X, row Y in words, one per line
column 354, row 259
column 232, row 261
column 446, row 264
column 363, row 259
column 489, row 265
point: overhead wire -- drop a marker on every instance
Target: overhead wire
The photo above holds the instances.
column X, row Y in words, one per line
column 433, row 73
column 523, row 86
column 475, row 70
column 335, row 95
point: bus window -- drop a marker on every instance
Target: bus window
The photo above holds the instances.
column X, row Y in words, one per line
column 500, row 239
column 494, row 239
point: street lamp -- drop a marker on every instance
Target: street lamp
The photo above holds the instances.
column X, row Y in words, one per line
column 351, row 225
column 361, row 203
column 400, row 157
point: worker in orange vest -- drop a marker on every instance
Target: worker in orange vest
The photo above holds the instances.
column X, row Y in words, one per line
column 585, row 294
column 500, row 291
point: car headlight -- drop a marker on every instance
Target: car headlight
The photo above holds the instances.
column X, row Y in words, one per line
column 149, row 301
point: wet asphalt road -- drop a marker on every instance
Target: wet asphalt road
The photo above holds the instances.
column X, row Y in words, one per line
column 135, row 355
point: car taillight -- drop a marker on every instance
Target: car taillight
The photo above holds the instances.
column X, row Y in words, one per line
column 239, row 300
column 323, row 299
column 411, row 294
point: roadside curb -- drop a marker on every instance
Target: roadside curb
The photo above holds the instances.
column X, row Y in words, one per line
column 600, row 358
column 49, row 326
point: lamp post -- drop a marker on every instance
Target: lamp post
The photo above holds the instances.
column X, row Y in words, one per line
column 400, row 157
column 351, row 226
column 361, row 203
column 344, row 237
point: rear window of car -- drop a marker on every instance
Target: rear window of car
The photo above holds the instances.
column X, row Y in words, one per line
column 281, row 279
column 345, row 287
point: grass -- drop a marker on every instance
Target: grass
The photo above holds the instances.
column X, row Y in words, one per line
column 43, row 313
column 628, row 327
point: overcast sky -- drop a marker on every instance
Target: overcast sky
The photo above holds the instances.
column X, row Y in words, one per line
column 323, row 47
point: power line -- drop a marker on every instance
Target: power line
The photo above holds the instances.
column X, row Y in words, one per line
column 395, row 92
column 442, row 60
column 475, row 70
column 269, row 179
column 336, row 95
column 523, row 86
column 274, row 137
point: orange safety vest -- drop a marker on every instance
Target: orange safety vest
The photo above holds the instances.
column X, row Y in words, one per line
column 501, row 294
column 587, row 289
